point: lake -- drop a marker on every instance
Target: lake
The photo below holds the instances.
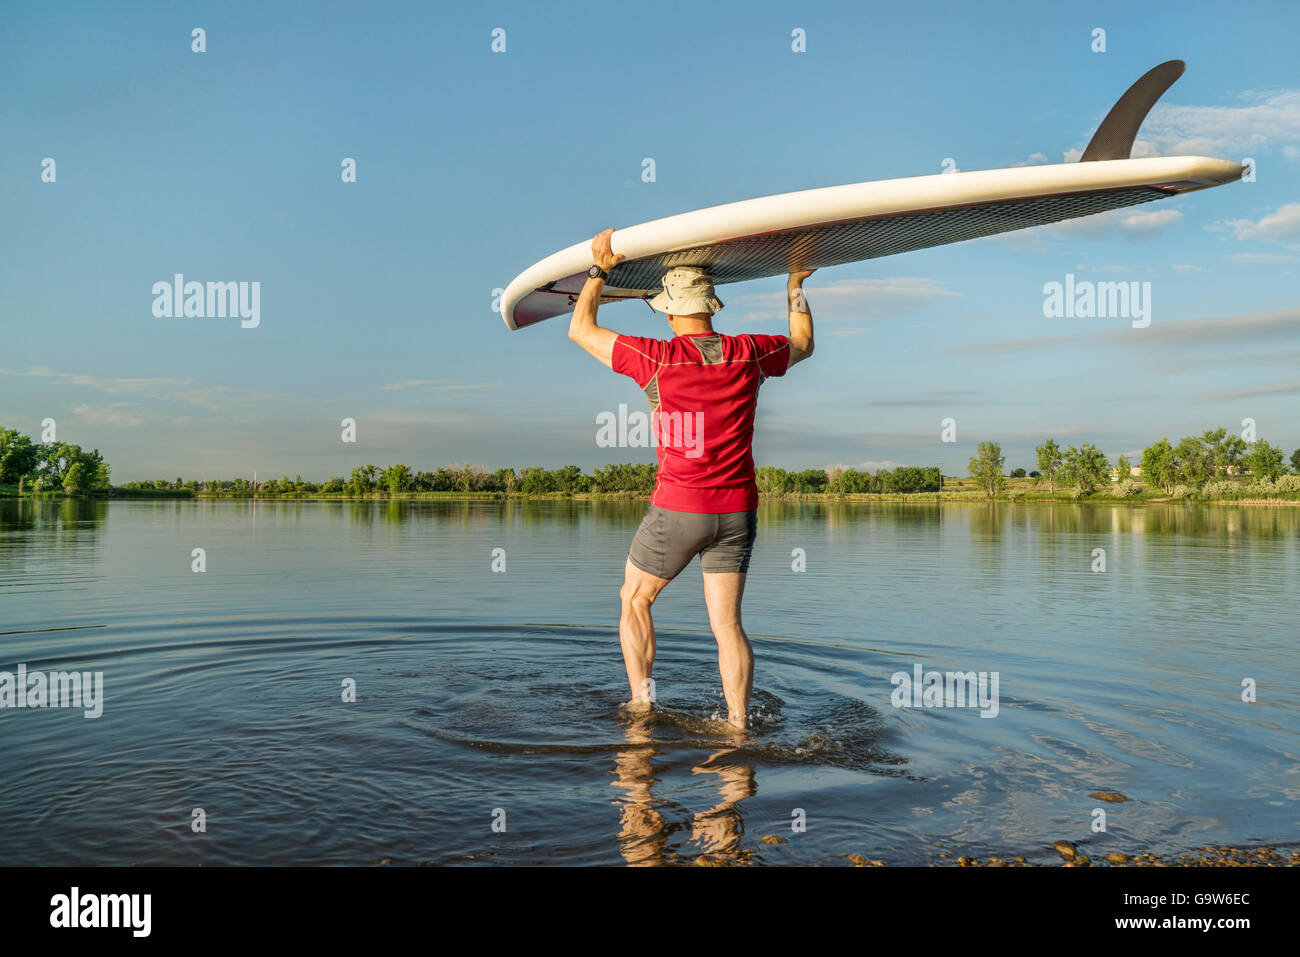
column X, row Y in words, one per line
column 487, row 727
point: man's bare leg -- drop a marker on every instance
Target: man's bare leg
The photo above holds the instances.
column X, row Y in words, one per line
column 723, row 592
column 636, row 629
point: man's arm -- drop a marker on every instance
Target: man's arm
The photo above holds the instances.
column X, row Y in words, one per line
column 582, row 327
column 801, row 326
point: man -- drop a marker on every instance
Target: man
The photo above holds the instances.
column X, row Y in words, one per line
column 702, row 387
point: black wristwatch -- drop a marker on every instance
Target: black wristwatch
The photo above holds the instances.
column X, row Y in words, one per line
column 595, row 272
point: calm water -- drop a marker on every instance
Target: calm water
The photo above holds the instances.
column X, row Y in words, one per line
column 486, row 696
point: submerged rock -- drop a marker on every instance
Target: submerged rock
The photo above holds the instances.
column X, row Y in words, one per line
column 1066, row 849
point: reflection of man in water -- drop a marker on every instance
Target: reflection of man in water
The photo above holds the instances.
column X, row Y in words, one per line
column 642, row 834
column 719, row 830
column 643, row 830
column 703, row 388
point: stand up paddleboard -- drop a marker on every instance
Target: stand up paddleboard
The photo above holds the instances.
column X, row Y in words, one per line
column 815, row 228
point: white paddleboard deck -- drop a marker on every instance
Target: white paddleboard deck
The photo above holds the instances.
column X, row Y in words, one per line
column 815, row 228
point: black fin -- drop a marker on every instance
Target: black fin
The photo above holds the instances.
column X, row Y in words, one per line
column 1114, row 138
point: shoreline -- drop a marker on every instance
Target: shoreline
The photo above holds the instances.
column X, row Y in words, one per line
column 1252, row 855
column 794, row 498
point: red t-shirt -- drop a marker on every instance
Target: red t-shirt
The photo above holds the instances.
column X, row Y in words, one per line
column 703, row 389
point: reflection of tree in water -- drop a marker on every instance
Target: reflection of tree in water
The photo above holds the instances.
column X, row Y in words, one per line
column 1184, row 519
column 51, row 523
column 993, row 523
column 835, row 513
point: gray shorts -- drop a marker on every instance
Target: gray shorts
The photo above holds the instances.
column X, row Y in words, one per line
column 667, row 541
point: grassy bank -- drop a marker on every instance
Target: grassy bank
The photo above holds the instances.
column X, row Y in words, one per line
column 957, row 490
column 969, row 497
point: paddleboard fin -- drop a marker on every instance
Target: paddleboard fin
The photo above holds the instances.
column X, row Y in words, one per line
column 1114, row 138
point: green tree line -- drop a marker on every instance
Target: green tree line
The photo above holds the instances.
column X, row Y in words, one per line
column 50, row 466
column 401, row 479
column 842, row 481
column 567, row 480
column 1213, row 464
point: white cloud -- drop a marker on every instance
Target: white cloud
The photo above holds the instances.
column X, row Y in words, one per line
column 119, row 414
column 1132, row 224
column 186, row 391
column 1254, row 392
column 1143, row 149
column 1256, row 258
column 1141, row 224
column 849, row 299
column 1257, row 123
column 1161, row 337
column 1276, row 227
column 435, row 385
column 1262, row 120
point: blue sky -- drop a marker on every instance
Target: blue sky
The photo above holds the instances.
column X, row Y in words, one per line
column 376, row 296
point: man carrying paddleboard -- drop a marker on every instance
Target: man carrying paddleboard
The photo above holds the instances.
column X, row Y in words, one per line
column 702, row 387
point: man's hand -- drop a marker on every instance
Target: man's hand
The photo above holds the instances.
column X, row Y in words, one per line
column 601, row 253
column 801, row 328
column 582, row 327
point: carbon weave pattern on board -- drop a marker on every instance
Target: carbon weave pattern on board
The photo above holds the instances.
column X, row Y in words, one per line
column 770, row 254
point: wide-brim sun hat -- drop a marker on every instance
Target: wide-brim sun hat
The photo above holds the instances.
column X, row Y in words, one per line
column 686, row 290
